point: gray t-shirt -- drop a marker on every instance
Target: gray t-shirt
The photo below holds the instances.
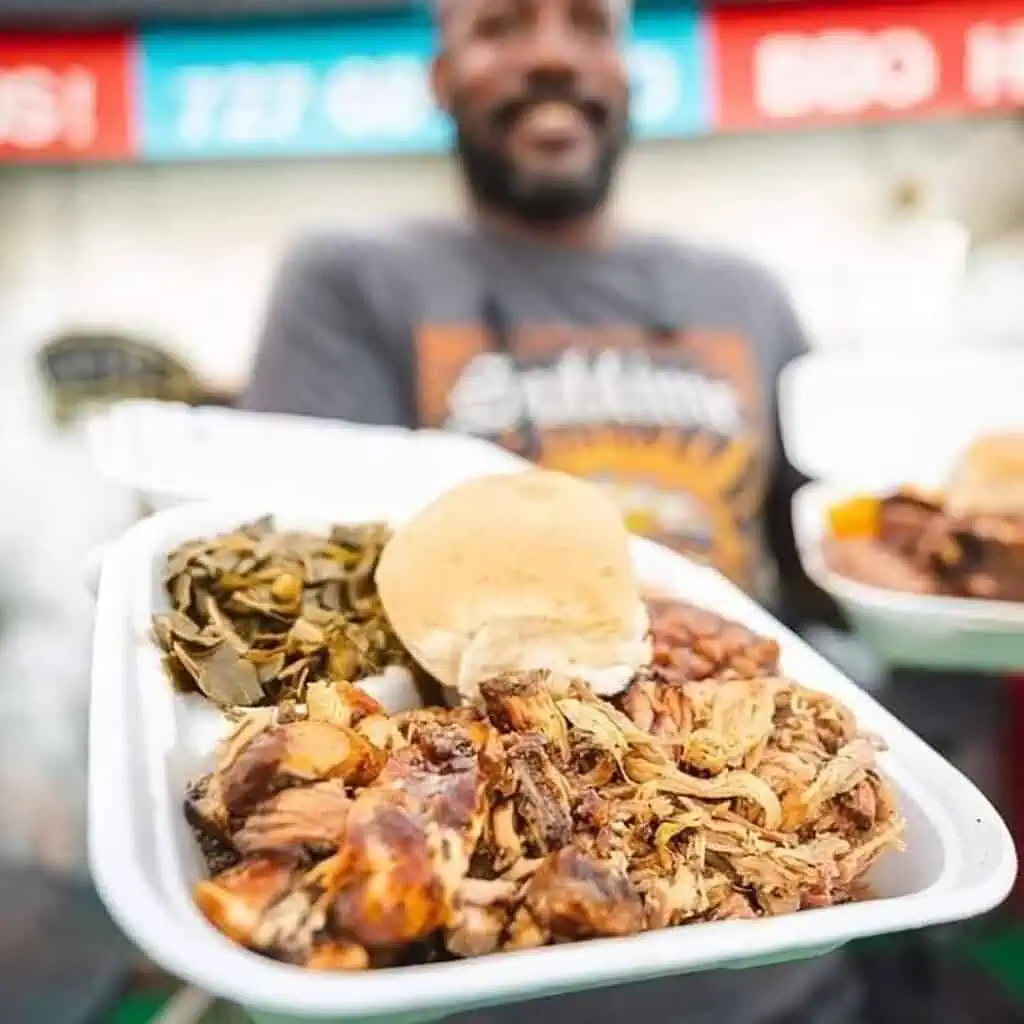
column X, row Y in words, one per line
column 649, row 366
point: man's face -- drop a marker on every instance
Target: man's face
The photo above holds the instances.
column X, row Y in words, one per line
column 539, row 94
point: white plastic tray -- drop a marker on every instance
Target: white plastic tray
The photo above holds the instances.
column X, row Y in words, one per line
column 170, row 453
column 146, row 741
column 910, row 629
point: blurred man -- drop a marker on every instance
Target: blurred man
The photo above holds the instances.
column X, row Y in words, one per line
column 639, row 362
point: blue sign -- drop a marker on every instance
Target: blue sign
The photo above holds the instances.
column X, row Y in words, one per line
column 360, row 85
column 670, row 68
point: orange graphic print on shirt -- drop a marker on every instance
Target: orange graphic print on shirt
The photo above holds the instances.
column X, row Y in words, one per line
column 675, row 429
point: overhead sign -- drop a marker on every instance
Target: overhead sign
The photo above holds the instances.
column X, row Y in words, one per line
column 838, row 63
column 64, row 98
column 335, row 87
column 358, row 86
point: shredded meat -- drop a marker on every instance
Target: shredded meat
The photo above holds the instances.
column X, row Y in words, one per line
column 713, row 789
column 542, row 797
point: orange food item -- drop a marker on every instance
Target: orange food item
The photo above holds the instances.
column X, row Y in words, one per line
column 855, row 519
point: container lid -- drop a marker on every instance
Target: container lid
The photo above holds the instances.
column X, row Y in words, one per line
column 875, row 420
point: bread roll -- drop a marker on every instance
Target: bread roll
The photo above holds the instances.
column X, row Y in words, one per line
column 517, row 571
column 989, row 478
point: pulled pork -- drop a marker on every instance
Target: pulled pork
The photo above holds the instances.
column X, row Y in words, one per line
column 342, row 839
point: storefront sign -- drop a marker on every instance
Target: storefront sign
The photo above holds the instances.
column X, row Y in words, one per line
column 359, row 84
column 64, row 98
column 993, row 57
column 346, row 86
column 334, row 87
column 835, row 64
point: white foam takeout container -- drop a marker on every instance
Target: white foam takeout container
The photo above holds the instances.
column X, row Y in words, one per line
column 907, row 629
column 168, row 453
column 146, row 741
column 868, row 423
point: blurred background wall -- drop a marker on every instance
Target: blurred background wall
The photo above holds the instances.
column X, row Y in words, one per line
column 183, row 253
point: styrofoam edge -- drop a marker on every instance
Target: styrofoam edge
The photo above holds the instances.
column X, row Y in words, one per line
column 810, row 504
column 232, row 973
column 199, row 954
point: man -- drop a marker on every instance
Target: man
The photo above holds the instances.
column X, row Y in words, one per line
column 639, row 362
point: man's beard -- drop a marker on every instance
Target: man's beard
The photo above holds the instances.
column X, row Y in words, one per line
column 495, row 182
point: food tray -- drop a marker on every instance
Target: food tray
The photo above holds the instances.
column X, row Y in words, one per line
column 168, row 453
column 868, row 423
column 910, row 629
column 146, row 741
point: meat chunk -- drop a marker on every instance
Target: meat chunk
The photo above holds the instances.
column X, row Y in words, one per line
column 734, row 907
column 236, row 900
column 483, row 910
column 731, row 719
column 409, row 838
column 522, row 702
column 574, row 896
column 905, row 518
column 395, row 875
column 542, row 797
column 869, row 561
column 445, row 774
column 338, row 955
column 296, row 753
column 307, row 820
column 980, row 556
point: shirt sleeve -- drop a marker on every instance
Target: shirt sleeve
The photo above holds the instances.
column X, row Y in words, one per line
column 324, row 350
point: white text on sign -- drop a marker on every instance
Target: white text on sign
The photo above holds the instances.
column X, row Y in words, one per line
column 994, row 64
column 844, row 73
column 41, row 108
column 243, row 103
column 261, row 104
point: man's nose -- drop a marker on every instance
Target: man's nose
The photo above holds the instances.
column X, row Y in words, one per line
column 554, row 50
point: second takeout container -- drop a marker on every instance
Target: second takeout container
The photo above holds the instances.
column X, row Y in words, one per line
column 146, row 741
column 908, row 629
column 867, row 424
column 168, row 453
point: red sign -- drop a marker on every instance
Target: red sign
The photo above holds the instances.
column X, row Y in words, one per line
column 835, row 64
column 64, row 97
